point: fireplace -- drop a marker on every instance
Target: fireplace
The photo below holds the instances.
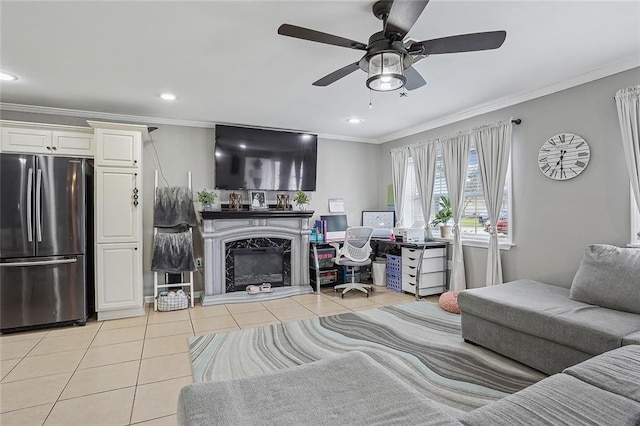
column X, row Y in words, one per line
column 225, row 231
column 255, row 266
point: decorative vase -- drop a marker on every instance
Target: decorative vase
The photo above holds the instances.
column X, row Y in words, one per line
column 445, row 231
column 207, row 207
column 302, row 207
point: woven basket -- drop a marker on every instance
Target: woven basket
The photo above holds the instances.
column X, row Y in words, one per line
column 166, row 303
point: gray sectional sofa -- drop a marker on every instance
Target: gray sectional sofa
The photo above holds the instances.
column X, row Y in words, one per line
column 551, row 328
column 353, row 389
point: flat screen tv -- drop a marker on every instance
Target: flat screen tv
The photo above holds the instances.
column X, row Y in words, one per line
column 271, row 160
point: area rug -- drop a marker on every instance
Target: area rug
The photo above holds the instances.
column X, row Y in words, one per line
column 419, row 342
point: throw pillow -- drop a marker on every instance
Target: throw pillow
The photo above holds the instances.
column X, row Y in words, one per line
column 609, row 277
column 449, row 301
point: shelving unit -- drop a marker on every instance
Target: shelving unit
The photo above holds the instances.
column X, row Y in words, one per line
column 322, row 269
column 157, row 287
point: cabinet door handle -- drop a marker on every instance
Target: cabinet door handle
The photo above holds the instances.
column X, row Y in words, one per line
column 49, row 148
column 55, row 148
column 135, row 248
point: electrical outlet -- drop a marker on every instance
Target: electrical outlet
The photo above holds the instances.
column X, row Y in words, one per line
column 198, row 262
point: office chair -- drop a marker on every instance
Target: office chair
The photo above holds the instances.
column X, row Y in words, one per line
column 355, row 251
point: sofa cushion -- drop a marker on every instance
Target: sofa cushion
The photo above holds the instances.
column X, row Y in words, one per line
column 616, row 371
column 348, row 389
column 609, row 276
column 632, row 339
column 557, row 400
column 546, row 311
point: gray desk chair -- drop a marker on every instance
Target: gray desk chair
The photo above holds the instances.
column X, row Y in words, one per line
column 355, row 251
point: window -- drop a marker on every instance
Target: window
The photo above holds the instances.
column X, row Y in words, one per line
column 474, row 223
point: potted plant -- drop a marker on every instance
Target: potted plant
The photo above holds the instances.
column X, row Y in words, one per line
column 443, row 217
column 207, row 199
column 301, row 199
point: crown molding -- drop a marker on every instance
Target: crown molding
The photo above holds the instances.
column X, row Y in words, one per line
column 614, row 68
column 95, row 115
column 35, row 109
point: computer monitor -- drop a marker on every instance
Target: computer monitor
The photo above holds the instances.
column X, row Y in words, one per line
column 336, row 226
column 382, row 222
column 379, row 219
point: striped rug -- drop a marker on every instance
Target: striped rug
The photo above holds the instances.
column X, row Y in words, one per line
column 418, row 341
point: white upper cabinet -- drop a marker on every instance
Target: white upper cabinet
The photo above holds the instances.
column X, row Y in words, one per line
column 47, row 139
column 118, row 148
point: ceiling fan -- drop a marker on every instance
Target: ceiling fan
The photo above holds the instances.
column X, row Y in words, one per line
column 388, row 61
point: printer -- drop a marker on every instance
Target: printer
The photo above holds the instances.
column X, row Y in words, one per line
column 415, row 234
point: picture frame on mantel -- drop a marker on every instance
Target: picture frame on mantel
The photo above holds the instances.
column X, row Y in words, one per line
column 235, row 201
column 258, row 200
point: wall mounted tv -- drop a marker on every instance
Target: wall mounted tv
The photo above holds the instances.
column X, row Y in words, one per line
column 271, row 160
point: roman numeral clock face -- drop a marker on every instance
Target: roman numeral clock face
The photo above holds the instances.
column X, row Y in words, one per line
column 563, row 156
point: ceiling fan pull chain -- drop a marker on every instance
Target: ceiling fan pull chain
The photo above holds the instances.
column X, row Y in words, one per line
column 370, row 104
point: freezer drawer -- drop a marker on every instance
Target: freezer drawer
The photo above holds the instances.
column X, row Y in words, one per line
column 42, row 290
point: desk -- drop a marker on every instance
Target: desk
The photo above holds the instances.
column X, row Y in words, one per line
column 413, row 270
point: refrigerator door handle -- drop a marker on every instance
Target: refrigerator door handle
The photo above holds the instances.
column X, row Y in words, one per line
column 39, row 205
column 40, row 262
column 29, row 213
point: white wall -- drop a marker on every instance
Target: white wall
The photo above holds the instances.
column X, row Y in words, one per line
column 554, row 221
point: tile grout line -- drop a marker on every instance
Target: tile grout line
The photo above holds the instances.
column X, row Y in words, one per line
column 72, row 374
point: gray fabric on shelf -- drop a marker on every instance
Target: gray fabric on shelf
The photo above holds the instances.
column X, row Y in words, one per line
column 609, row 276
column 615, row 371
column 173, row 252
column 348, row 389
column 558, row 400
column 174, row 207
column 545, row 311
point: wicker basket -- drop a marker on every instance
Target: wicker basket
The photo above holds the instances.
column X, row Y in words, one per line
column 165, row 302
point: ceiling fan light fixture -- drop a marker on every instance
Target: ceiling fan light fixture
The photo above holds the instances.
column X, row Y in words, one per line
column 386, row 71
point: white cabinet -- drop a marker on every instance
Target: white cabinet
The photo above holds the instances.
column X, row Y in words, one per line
column 118, row 219
column 47, row 139
column 432, row 279
column 118, row 148
column 118, row 205
column 118, row 274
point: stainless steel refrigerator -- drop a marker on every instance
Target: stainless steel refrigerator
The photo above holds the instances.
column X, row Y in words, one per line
column 43, row 218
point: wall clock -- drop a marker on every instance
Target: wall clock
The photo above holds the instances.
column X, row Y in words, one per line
column 564, row 156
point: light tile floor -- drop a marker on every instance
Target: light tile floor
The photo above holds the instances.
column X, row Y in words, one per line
column 130, row 371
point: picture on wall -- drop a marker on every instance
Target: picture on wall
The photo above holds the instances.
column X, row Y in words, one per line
column 258, row 200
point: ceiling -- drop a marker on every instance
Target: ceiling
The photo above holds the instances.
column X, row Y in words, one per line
column 226, row 63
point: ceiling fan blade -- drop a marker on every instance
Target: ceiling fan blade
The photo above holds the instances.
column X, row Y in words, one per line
column 414, row 79
column 460, row 43
column 402, row 16
column 337, row 75
column 317, row 36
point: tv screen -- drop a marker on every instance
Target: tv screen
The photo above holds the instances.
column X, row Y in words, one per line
column 271, row 160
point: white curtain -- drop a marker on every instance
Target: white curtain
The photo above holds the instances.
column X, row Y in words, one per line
column 424, row 163
column 455, row 153
column 399, row 162
column 493, row 145
column 628, row 103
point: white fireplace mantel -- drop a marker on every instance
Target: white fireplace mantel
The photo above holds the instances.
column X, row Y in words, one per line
column 222, row 227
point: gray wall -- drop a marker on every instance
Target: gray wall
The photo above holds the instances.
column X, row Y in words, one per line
column 553, row 221
column 345, row 170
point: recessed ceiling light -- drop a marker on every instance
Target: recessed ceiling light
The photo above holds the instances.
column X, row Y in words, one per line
column 5, row 76
column 354, row 120
column 168, row 97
